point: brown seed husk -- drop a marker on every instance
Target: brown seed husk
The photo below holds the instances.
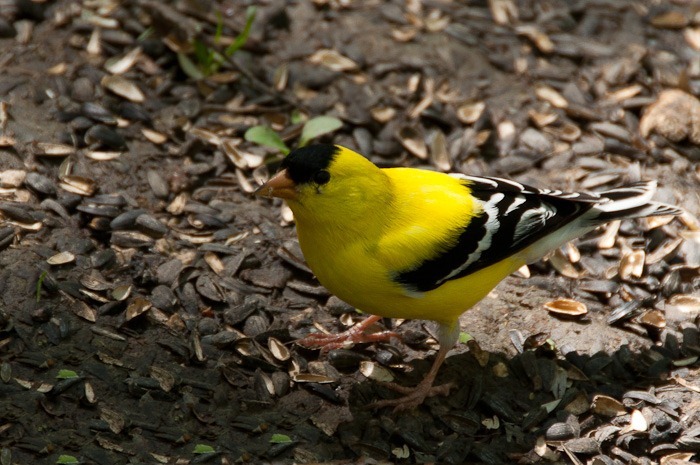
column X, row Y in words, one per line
column 607, row 406
column 567, row 307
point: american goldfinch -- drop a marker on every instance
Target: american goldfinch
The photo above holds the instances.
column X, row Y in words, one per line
column 411, row 243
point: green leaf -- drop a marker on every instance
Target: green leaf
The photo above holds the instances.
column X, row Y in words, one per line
column 67, row 459
column 297, row 117
column 202, row 53
column 219, row 27
column 550, row 406
column 262, row 135
column 146, row 34
column 39, row 284
column 203, row 449
column 242, row 38
column 217, row 60
column 318, row 126
column 465, row 337
column 280, row 439
column 189, row 68
column 66, row 374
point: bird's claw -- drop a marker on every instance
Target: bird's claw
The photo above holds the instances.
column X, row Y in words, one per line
column 346, row 339
column 413, row 396
column 343, row 340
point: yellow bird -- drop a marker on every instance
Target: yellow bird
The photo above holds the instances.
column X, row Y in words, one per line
column 411, row 243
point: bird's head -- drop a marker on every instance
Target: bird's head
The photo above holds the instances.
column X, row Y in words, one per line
column 327, row 183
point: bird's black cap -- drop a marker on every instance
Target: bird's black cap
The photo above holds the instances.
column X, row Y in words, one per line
column 302, row 164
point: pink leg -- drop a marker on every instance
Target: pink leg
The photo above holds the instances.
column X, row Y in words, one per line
column 413, row 397
column 348, row 338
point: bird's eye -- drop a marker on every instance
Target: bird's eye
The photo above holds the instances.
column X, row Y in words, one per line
column 322, row 177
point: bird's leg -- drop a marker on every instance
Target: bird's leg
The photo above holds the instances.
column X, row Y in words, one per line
column 354, row 335
column 415, row 396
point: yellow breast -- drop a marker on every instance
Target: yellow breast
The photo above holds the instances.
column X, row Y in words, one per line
column 357, row 263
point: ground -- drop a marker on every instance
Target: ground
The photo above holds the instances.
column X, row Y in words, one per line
column 150, row 302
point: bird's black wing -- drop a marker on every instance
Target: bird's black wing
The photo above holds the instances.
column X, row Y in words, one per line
column 513, row 216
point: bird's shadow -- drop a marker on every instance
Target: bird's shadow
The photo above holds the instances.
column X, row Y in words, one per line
column 501, row 404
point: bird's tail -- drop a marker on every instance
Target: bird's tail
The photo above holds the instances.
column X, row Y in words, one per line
column 633, row 201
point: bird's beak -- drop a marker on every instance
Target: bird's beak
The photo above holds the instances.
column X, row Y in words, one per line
column 280, row 185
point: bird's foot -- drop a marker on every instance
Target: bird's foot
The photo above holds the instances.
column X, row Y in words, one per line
column 343, row 340
column 413, row 396
column 346, row 339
